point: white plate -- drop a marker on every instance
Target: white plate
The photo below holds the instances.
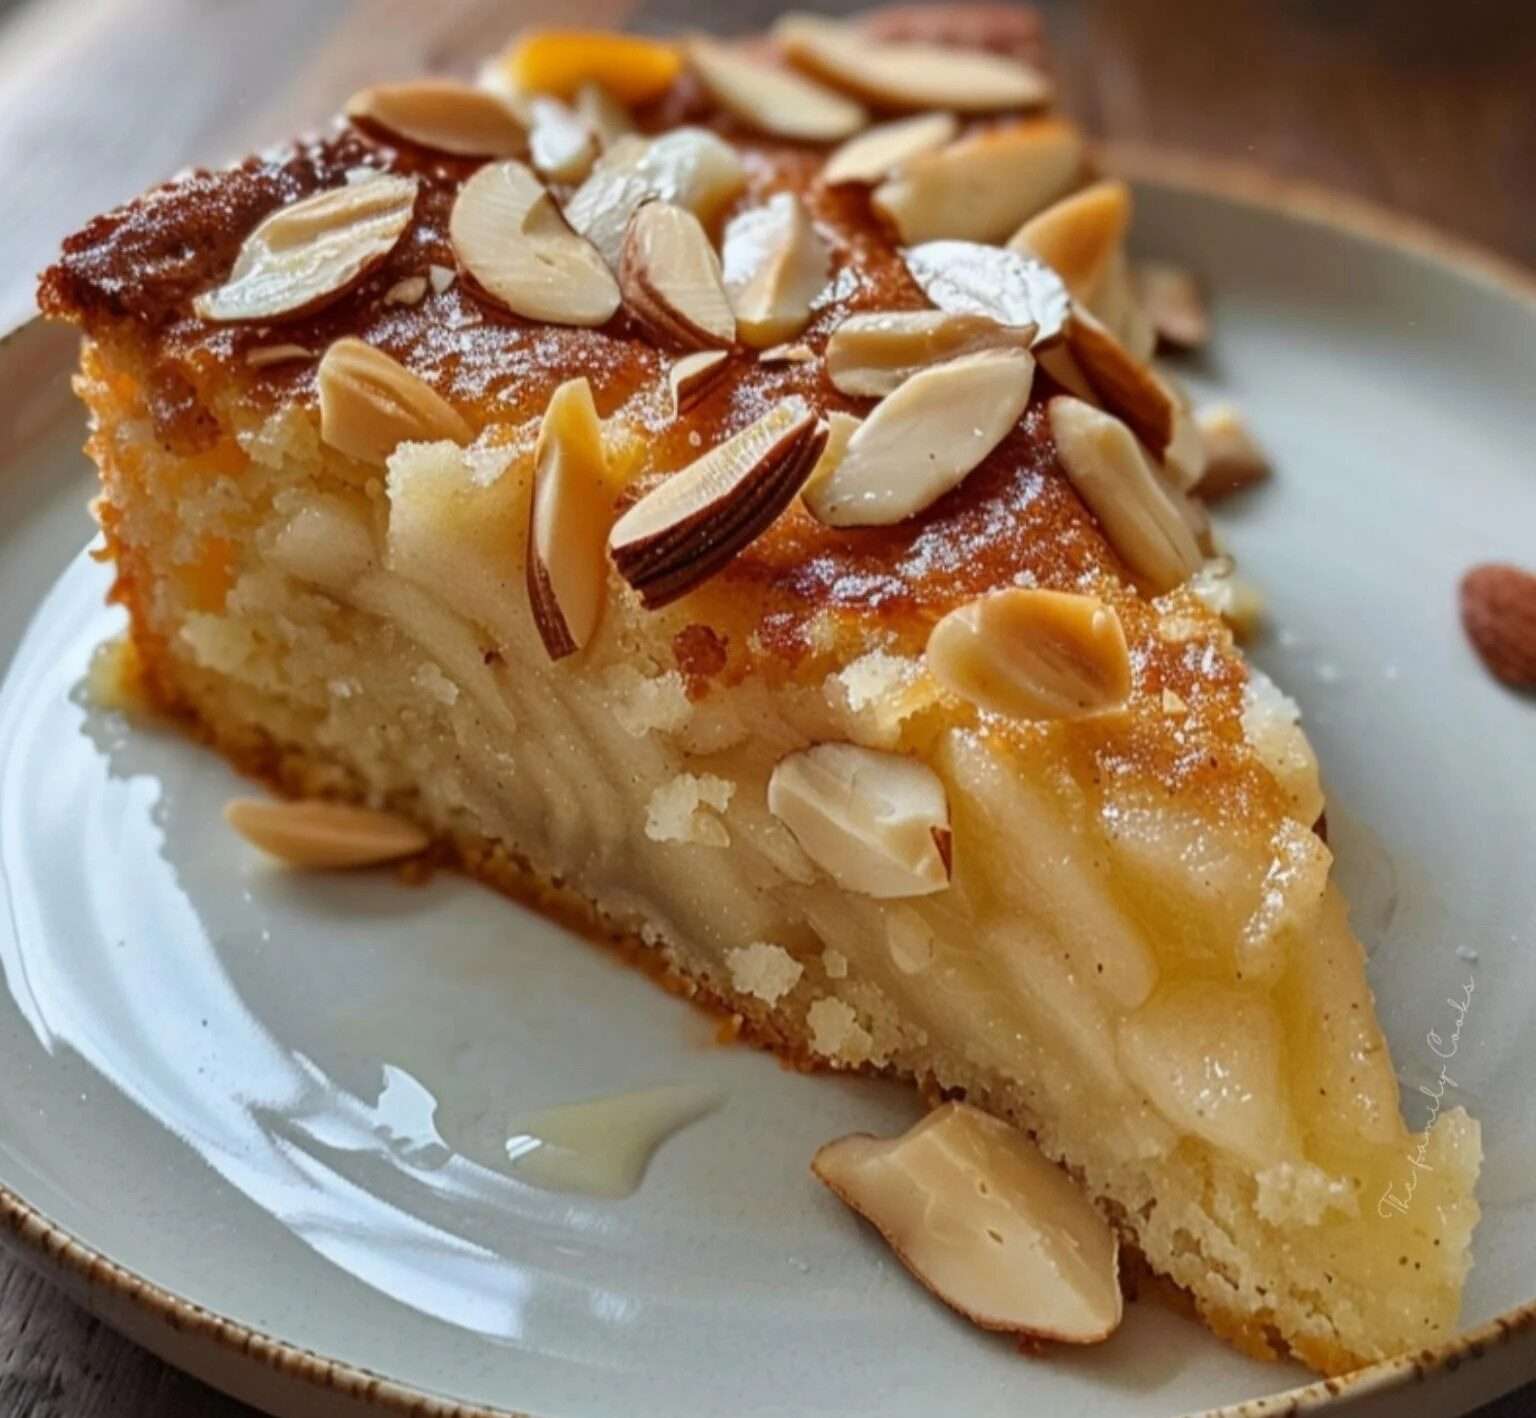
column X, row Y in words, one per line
column 266, row 1094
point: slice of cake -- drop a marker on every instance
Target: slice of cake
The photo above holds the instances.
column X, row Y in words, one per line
column 729, row 486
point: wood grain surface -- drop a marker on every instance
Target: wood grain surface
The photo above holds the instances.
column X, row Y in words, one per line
column 1423, row 106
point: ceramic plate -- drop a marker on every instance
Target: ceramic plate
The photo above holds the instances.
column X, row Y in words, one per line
column 256, row 1118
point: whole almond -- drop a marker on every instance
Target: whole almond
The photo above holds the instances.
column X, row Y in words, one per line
column 1498, row 612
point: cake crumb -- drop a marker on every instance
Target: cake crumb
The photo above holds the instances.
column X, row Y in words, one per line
column 432, row 681
column 764, row 970
column 836, row 1032
column 835, row 963
column 645, row 706
column 684, row 809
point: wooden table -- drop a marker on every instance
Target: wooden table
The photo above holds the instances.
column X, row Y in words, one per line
column 1427, row 107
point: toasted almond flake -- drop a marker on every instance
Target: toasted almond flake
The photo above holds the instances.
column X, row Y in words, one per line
column 561, row 146
column 561, row 61
column 840, row 429
column 922, row 440
column 568, row 526
column 1171, row 297
column 323, row 834
column 409, row 290
column 261, row 356
column 1137, row 510
column 1078, row 236
column 1118, row 307
column 693, row 524
column 509, row 235
column 967, row 278
column 606, row 118
column 441, row 277
column 873, row 353
column 873, row 155
column 671, row 279
column 776, row 264
column 877, row 823
column 981, row 187
column 689, row 167
column 370, row 404
column 787, row 354
column 692, row 377
column 1056, row 360
column 1124, row 384
column 305, row 255
column 443, row 115
column 908, row 76
column 1233, row 459
column 773, row 100
column 979, row 1215
column 1031, row 654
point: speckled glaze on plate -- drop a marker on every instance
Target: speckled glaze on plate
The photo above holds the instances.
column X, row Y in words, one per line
column 253, row 1119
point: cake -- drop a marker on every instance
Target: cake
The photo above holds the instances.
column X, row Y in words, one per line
column 726, row 487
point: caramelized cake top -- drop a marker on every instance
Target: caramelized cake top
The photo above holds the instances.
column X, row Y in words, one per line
column 799, row 596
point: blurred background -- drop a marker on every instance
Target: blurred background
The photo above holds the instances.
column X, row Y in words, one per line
column 1423, row 106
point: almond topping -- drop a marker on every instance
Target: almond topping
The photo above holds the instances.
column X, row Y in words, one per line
column 909, row 76
column 561, row 146
column 323, row 834
column 787, row 354
column 445, row 116
column 983, row 186
column 692, row 377
column 922, row 440
column 509, row 235
column 872, row 156
column 1136, row 509
column 1237, row 601
column 261, row 356
column 409, row 290
column 692, row 525
column 1123, row 383
column 776, row 264
column 310, row 252
column 1033, row 654
column 606, row 118
column 1233, row 460
column 840, row 429
column 671, row 280
column 984, row 1220
column 876, row 823
column 689, row 167
column 1171, row 298
column 568, row 526
column 967, row 278
column 1118, row 306
column 1078, row 236
column 872, row 354
column 1498, row 612
column 776, row 101
column 441, row 277
column 370, row 404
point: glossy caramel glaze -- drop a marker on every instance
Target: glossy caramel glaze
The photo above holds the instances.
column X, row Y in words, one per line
column 1014, row 520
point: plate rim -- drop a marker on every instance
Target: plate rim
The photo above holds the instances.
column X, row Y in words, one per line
column 35, row 1237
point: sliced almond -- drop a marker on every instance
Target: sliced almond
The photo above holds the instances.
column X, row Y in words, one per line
column 693, row 524
column 606, row 118
column 875, row 154
column 561, row 146
column 690, row 167
column 1233, row 459
column 443, row 115
column 909, row 76
column 671, row 279
column 1171, row 297
column 840, row 430
column 409, row 290
column 693, row 376
column 263, row 356
column 441, row 277
column 1031, row 654
column 873, row 353
column 979, row 1215
column 776, row 264
column 1117, row 305
column 876, row 823
column 370, row 404
column 1136, row 509
column 967, row 278
column 509, row 235
column 922, row 440
column 312, row 251
column 1124, row 384
column 568, row 526
column 1078, row 236
column 1056, row 360
column 773, row 100
column 787, row 354
column 322, row 834
column 983, row 186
